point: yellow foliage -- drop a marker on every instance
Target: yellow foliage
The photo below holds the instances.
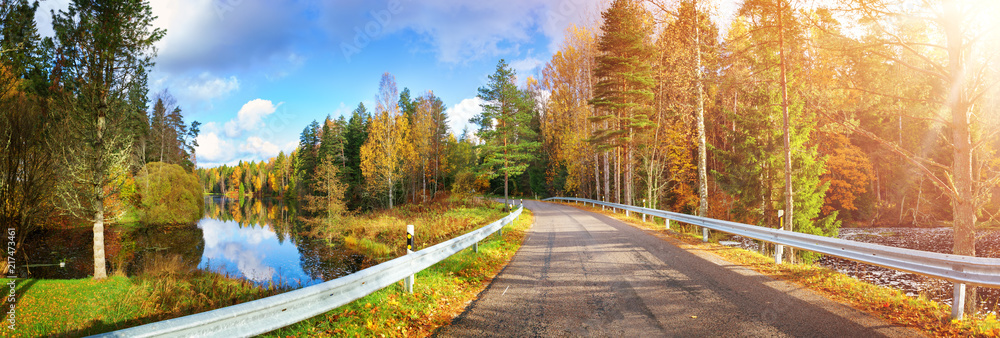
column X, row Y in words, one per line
column 388, row 145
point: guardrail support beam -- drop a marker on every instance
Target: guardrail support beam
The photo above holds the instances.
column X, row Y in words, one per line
column 666, row 223
column 704, row 234
column 958, row 302
column 475, row 247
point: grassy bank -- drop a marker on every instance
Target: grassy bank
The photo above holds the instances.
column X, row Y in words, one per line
column 440, row 293
column 73, row 308
column 168, row 288
column 889, row 304
column 382, row 235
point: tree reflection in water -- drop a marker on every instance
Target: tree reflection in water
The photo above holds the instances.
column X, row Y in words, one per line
column 263, row 241
column 260, row 240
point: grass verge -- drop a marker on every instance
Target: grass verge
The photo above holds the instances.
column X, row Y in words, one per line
column 80, row 307
column 889, row 304
column 440, row 293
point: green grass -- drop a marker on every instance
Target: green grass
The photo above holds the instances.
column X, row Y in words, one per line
column 72, row 308
column 440, row 293
column 167, row 289
column 890, row 304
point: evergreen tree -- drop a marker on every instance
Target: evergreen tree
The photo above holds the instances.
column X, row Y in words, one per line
column 356, row 133
column 509, row 143
column 623, row 94
column 308, row 157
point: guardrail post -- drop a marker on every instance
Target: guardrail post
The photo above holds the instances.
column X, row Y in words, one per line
column 704, row 234
column 409, row 250
column 958, row 302
column 475, row 247
column 666, row 223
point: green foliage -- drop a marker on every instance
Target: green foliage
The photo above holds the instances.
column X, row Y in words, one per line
column 169, row 195
column 505, row 126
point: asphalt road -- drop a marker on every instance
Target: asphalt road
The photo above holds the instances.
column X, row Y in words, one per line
column 585, row 274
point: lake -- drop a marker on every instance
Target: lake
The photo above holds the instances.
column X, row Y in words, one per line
column 256, row 239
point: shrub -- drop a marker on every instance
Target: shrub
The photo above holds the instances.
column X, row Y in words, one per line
column 168, row 195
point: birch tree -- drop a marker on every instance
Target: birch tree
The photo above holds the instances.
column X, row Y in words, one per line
column 388, row 145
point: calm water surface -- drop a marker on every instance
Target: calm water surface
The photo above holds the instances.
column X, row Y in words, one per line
column 260, row 240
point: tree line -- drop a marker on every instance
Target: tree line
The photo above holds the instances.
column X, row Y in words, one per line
column 862, row 112
column 76, row 128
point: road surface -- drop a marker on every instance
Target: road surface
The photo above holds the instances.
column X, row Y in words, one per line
column 584, row 274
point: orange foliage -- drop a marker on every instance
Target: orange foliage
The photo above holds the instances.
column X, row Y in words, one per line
column 848, row 170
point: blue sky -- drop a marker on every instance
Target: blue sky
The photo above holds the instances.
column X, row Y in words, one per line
column 256, row 72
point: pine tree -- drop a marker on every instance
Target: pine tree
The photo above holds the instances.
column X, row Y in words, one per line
column 504, row 126
column 623, row 92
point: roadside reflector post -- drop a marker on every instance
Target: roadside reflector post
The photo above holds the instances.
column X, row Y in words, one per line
column 958, row 303
column 409, row 250
column 644, row 206
column 778, row 248
column 522, row 210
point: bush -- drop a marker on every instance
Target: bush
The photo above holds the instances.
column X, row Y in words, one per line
column 168, row 195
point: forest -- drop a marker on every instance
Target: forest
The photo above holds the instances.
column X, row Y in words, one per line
column 847, row 113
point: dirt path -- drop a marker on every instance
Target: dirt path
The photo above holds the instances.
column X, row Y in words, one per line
column 584, row 274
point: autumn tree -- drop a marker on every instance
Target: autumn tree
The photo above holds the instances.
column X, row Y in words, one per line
column 27, row 128
column 686, row 51
column 327, row 195
column 384, row 153
column 106, row 49
column 508, row 140
column 948, row 44
column 569, row 78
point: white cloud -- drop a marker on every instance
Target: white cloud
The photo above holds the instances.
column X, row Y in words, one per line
column 211, row 148
column 525, row 67
column 459, row 115
column 228, row 35
column 207, row 87
column 259, row 148
column 250, row 117
column 457, row 30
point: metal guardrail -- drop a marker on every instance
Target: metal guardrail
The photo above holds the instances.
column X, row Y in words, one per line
column 978, row 271
column 271, row 313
